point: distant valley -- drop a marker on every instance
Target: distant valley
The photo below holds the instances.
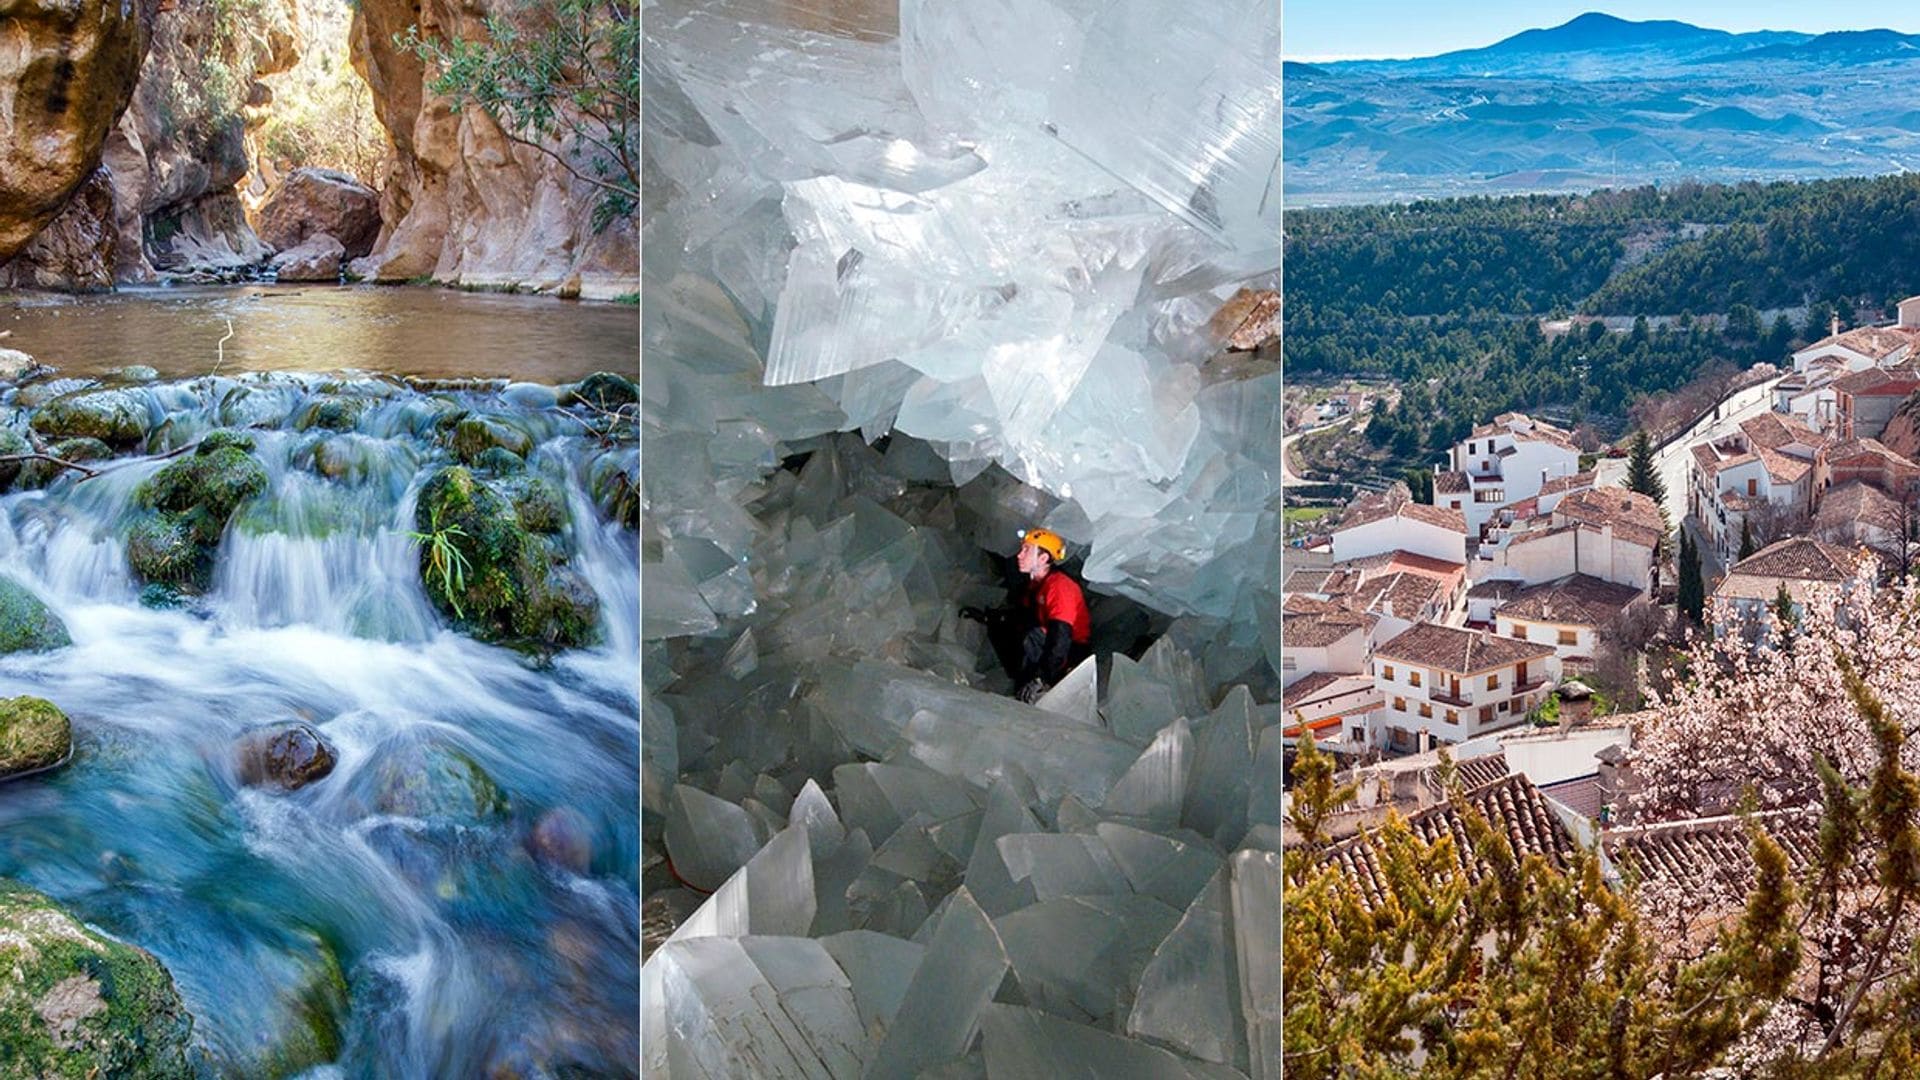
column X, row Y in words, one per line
column 1603, row 102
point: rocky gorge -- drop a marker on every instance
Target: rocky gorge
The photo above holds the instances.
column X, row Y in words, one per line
column 136, row 126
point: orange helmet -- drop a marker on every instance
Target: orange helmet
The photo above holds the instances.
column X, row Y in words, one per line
column 1046, row 540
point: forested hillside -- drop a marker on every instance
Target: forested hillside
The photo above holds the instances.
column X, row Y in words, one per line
column 1447, row 295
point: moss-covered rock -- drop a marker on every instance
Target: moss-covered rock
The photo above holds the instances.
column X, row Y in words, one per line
column 27, row 624
column 332, row 412
column 507, row 593
column 613, row 482
column 537, row 501
column 288, row 757
column 193, row 498
column 499, row 461
column 134, row 373
column 569, row 610
column 36, row 474
column 34, row 735
column 161, row 596
column 602, row 389
column 76, row 1003
column 116, row 417
column 222, row 438
column 12, row 443
column 425, row 779
column 475, row 435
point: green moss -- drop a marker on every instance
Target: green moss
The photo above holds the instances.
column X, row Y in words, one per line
column 222, row 438
column 115, row 417
column 508, row 594
column 537, row 502
column 26, row 623
column 34, row 734
column 132, row 1022
column 499, row 461
column 12, row 442
column 631, row 299
column 603, row 389
column 161, row 549
column 331, row 413
column 475, row 435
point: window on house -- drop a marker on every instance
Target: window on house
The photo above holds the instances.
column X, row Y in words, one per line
column 1288, row 663
column 1567, row 637
column 1753, row 486
column 1426, row 710
column 1493, row 681
column 1453, row 716
column 1486, row 714
column 1413, row 678
column 1358, row 735
column 1399, row 704
column 1473, row 448
column 1386, row 672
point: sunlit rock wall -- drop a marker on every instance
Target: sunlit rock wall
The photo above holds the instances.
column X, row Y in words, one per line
column 67, row 70
column 462, row 202
column 1001, row 227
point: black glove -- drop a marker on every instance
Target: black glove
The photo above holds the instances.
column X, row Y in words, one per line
column 1033, row 690
column 973, row 613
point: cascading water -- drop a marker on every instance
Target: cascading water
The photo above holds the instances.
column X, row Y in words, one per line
column 458, row 895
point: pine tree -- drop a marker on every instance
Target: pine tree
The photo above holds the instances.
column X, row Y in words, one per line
column 1692, row 590
column 1642, row 476
column 1746, row 538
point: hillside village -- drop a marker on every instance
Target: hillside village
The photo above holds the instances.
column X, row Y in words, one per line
column 1510, row 619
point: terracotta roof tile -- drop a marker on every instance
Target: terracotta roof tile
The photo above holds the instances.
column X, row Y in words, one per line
column 1397, row 501
column 1450, row 482
column 1510, row 804
column 1801, row 559
column 1318, row 629
column 1462, row 651
column 1575, row 600
column 1633, row 516
column 1409, row 594
column 1875, row 342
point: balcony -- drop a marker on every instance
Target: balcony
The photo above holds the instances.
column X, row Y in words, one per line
column 1533, row 683
column 1449, row 697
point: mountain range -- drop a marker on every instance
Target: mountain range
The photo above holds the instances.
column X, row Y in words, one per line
column 1601, row 101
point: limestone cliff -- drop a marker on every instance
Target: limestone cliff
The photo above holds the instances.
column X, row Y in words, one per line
column 67, row 69
column 1902, row 435
column 462, row 202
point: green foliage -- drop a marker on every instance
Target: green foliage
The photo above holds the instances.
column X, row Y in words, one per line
column 1746, row 539
column 1692, row 595
column 445, row 567
column 565, row 72
column 1642, row 475
column 323, row 112
column 1525, row 970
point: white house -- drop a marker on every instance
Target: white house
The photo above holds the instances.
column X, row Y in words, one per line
column 1769, row 459
column 1326, row 704
column 1607, row 533
column 1392, row 521
column 1566, row 614
column 1322, row 637
column 1445, row 684
column 1798, row 564
column 1502, row 463
column 1860, row 348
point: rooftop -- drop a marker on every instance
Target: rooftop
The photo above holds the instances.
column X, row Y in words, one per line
column 1873, row 342
column 1397, row 502
column 1633, row 516
column 1462, row 651
column 1574, row 600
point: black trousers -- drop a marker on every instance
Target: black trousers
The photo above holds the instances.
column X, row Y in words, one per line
column 1026, row 652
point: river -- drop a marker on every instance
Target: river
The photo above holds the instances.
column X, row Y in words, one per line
column 459, row 896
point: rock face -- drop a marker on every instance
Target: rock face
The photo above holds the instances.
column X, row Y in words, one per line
column 76, row 252
column 34, row 735
column 67, row 70
column 461, row 201
column 315, row 201
column 74, row 1002
column 317, row 258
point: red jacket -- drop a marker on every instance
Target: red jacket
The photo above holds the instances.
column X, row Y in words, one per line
column 1058, row 596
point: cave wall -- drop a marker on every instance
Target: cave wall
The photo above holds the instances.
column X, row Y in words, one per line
column 462, row 203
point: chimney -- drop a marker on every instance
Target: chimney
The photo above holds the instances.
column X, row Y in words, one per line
column 1835, row 325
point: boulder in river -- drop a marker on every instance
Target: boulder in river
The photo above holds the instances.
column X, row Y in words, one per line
column 290, row 757
column 321, row 202
column 563, row 839
column 421, row 777
column 330, row 412
column 34, row 735
column 116, row 417
column 26, row 623
column 474, row 435
column 74, row 1002
column 193, row 497
column 11, row 443
column 315, row 259
column 602, row 389
column 37, row 474
column 506, row 593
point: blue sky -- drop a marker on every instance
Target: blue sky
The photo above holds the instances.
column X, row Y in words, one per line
column 1343, row 29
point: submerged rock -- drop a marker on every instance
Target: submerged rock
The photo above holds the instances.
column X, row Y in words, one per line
column 26, row 623
column 562, row 838
column 330, row 412
column 290, row 757
column 499, row 461
column 12, row 442
column 34, row 735
column 117, row 417
column 74, row 1002
column 424, row 779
